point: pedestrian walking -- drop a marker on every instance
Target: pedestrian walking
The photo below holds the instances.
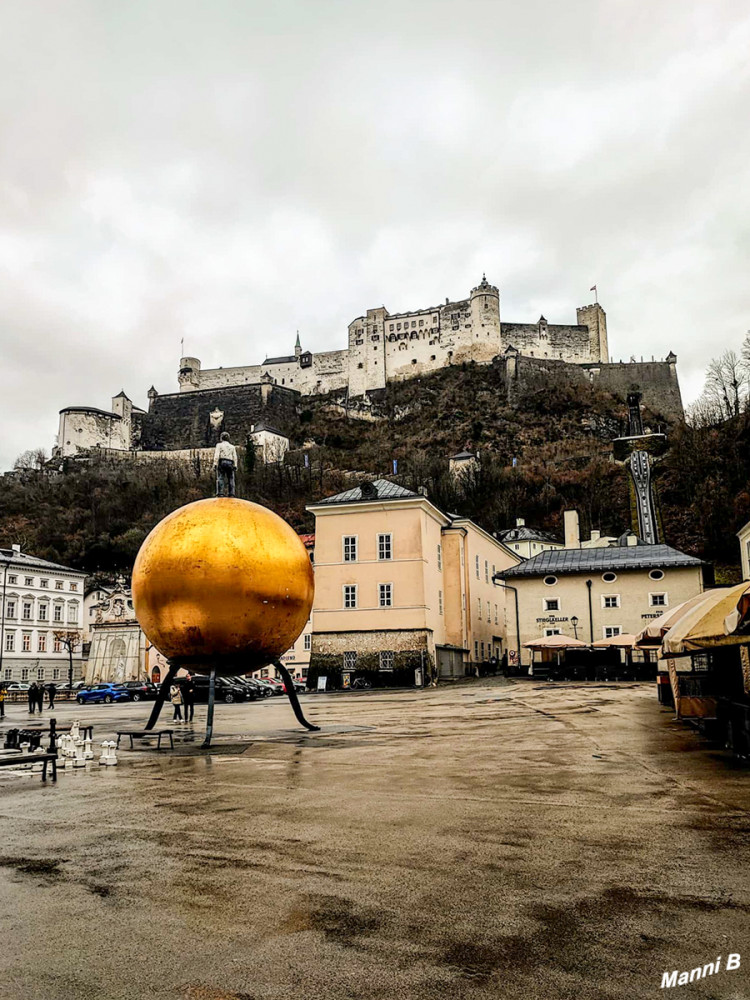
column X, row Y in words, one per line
column 32, row 692
column 175, row 696
column 40, row 698
column 51, row 692
column 2, row 700
column 188, row 697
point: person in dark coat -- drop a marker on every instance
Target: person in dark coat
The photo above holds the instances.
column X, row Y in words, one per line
column 51, row 692
column 40, row 698
column 32, row 697
column 188, row 697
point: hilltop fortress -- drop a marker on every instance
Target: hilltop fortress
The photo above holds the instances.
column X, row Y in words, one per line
column 382, row 347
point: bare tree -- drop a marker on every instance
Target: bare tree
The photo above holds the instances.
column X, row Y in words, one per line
column 69, row 639
column 32, row 460
column 726, row 391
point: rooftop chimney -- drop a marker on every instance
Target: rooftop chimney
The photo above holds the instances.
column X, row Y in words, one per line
column 632, row 539
column 422, row 490
column 16, row 550
column 520, row 522
column 572, row 529
column 595, row 535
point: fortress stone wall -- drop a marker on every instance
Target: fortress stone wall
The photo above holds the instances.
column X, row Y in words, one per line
column 383, row 347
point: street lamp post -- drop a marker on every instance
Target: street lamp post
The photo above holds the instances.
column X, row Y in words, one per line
column 574, row 623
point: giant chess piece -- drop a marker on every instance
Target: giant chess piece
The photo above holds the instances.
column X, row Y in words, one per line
column 222, row 586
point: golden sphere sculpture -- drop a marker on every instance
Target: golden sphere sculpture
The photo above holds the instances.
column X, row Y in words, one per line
column 222, row 584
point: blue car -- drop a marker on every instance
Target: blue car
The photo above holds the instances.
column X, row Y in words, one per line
column 102, row 692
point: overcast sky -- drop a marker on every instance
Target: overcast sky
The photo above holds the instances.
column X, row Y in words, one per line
column 230, row 172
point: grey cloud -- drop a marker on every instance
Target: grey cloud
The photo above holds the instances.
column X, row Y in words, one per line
column 232, row 172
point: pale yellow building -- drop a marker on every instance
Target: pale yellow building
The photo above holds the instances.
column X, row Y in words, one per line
column 596, row 593
column 744, row 539
column 402, row 587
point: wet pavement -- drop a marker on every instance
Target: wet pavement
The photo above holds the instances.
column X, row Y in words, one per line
column 485, row 840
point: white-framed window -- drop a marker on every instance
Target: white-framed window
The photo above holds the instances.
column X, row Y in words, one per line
column 385, row 547
column 609, row 577
column 72, row 613
column 350, row 659
column 28, row 581
column 40, row 674
column 550, row 581
column 307, row 642
column 440, row 602
column 479, row 608
column 610, row 600
column 59, row 584
column 12, row 579
column 476, row 649
column 26, row 610
column 10, row 609
column 552, row 631
column 386, row 659
column 440, row 556
column 74, row 586
column 496, row 622
column 489, row 612
column 658, row 600
column 350, row 548
column 610, row 631
column 656, row 574
column 10, row 642
column 26, row 642
column 476, row 565
column 551, row 603
column 43, row 612
column 8, row 674
column 57, row 646
column 57, row 613
column 486, row 571
column 24, row 673
column 350, row 595
column 481, row 646
column 56, row 674
column 44, row 584
column 41, row 642
column 385, row 595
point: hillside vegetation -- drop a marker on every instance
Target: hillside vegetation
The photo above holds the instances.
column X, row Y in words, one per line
column 95, row 515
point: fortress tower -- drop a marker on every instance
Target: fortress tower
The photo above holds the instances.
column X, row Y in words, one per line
column 485, row 321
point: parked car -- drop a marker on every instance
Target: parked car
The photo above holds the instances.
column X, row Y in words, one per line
column 140, row 690
column 227, row 689
column 261, row 690
column 18, row 686
column 274, row 686
column 251, row 689
column 75, row 686
column 102, row 692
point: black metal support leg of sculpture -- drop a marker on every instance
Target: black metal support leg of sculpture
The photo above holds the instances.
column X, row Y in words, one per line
column 162, row 696
column 210, row 713
column 289, row 687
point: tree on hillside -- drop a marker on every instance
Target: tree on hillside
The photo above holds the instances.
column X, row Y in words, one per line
column 31, row 461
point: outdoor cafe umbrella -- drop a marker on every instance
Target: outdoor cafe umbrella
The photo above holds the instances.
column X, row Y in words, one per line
column 554, row 642
column 657, row 628
column 705, row 623
column 622, row 641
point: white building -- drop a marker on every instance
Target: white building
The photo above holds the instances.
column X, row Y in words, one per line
column 527, row 542
column 270, row 444
column 38, row 598
column 118, row 646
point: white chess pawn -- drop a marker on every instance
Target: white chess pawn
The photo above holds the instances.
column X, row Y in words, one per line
column 88, row 751
column 79, row 760
column 74, row 730
column 112, row 755
column 105, row 751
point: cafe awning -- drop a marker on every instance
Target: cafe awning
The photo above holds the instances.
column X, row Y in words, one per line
column 555, row 642
column 622, row 641
column 656, row 629
column 705, row 623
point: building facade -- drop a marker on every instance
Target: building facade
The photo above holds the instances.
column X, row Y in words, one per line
column 525, row 541
column 595, row 593
column 39, row 599
column 400, row 586
column 118, row 646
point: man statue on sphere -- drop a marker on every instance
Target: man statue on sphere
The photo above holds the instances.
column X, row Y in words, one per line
column 225, row 463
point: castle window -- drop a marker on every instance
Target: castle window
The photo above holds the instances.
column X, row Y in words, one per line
column 432, row 357
column 413, row 361
column 414, row 336
column 376, row 336
column 392, row 337
column 421, row 322
column 391, row 327
column 413, row 323
column 360, row 365
column 398, row 326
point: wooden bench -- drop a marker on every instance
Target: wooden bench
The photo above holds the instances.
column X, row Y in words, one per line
column 144, row 734
column 11, row 758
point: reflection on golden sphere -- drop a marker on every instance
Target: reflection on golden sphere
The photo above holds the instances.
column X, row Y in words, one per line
column 222, row 584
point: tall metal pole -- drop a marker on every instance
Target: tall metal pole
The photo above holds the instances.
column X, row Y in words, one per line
column 210, row 713
column 292, row 695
